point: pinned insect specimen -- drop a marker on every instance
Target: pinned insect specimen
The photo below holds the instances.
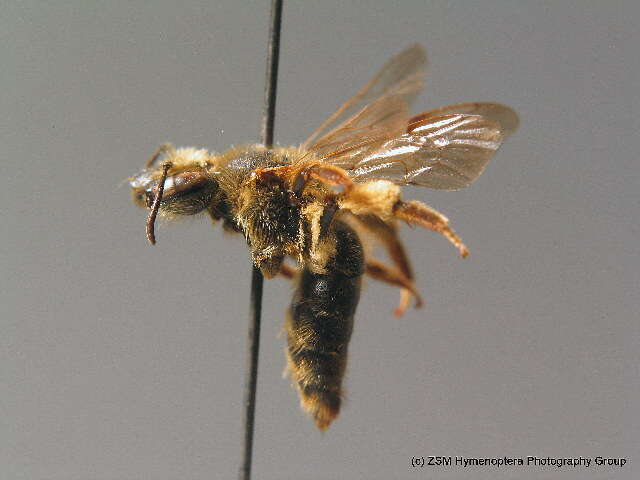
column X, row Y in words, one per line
column 321, row 203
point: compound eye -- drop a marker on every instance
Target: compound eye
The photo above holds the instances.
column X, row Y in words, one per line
column 184, row 193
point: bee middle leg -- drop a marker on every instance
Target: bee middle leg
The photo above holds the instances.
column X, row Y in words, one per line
column 387, row 234
column 319, row 325
column 288, row 272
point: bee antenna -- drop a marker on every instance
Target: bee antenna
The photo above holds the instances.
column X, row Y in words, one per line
column 151, row 219
column 164, row 148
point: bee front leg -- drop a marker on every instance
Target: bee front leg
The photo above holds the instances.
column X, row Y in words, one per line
column 319, row 325
column 269, row 265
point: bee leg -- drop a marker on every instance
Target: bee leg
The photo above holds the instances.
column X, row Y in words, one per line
column 373, row 205
column 319, row 325
column 227, row 225
column 399, row 257
column 331, row 175
column 288, row 271
column 270, row 266
column 328, row 174
column 390, row 275
column 417, row 213
column 388, row 235
column 164, row 148
column 382, row 199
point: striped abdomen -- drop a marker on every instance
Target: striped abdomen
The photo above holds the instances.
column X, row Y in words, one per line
column 319, row 325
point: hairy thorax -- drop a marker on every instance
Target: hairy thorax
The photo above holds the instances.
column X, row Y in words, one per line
column 277, row 221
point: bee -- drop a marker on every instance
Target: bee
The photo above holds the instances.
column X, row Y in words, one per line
column 324, row 203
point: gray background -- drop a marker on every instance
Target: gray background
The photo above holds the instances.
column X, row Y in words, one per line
column 123, row 361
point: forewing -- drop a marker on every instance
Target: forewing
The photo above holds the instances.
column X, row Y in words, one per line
column 505, row 116
column 401, row 77
column 363, row 134
column 445, row 152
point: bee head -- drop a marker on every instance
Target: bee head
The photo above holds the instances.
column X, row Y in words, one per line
column 174, row 182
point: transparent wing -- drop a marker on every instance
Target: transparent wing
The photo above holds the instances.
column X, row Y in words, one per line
column 446, row 152
column 401, row 77
column 505, row 116
column 364, row 133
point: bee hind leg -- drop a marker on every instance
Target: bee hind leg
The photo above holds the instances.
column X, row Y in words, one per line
column 417, row 213
column 392, row 276
column 387, row 234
